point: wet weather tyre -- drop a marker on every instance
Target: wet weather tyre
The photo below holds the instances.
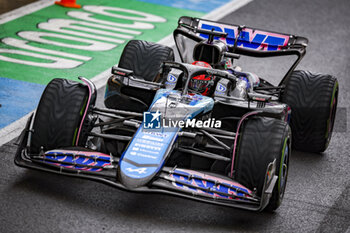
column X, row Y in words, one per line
column 262, row 141
column 144, row 58
column 58, row 116
column 313, row 99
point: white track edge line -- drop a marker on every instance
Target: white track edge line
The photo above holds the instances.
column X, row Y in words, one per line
column 14, row 129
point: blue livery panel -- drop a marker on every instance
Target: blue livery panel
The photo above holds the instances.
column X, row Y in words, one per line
column 146, row 152
column 78, row 160
column 249, row 38
column 152, row 142
column 211, row 182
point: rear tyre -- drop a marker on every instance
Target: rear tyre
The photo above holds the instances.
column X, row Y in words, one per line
column 58, row 116
column 313, row 99
column 144, row 59
column 262, row 141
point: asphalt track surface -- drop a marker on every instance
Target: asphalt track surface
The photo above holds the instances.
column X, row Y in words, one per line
column 6, row 5
column 317, row 195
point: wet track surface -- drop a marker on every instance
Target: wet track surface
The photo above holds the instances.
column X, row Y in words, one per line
column 317, row 194
column 6, row 5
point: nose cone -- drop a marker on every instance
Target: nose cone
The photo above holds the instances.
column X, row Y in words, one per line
column 132, row 176
column 144, row 157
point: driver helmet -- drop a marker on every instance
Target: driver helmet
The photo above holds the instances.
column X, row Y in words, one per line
column 201, row 83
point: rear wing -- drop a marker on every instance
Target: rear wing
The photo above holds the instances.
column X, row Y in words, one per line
column 240, row 39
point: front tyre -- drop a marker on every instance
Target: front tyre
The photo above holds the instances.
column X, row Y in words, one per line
column 313, row 99
column 262, row 141
column 282, row 173
column 59, row 115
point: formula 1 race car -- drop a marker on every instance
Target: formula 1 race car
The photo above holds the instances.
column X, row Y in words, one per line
column 200, row 128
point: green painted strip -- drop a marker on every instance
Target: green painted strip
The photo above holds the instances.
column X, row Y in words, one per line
column 335, row 88
column 75, row 136
column 281, row 164
column 83, row 108
column 100, row 60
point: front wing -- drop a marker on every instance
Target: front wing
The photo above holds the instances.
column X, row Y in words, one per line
column 196, row 185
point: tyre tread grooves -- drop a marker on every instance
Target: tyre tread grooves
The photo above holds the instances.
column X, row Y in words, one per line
column 309, row 97
column 58, row 114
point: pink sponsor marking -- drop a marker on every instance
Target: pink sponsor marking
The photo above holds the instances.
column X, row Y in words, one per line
column 86, row 109
column 252, row 34
column 237, row 132
column 76, row 155
column 86, row 153
column 212, row 179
